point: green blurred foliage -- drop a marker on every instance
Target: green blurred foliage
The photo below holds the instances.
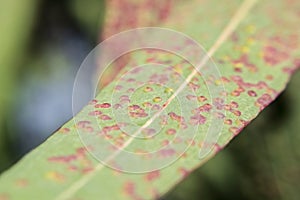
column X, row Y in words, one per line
column 32, row 48
column 88, row 15
column 16, row 21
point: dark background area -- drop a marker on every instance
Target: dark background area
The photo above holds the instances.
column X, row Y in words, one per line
column 43, row 45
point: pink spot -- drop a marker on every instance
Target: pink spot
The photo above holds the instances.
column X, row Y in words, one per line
column 205, row 108
column 93, row 102
column 165, row 142
column 103, row 105
column 193, row 86
column 105, row 117
column 184, row 172
column 117, row 106
column 62, row 159
column 245, row 61
column 197, row 119
column 130, row 90
column 87, row 170
column 129, row 188
column 218, row 148
column 130, row 80
column 134, row 107
column 274, row 56
column 167, row 152
column 191, row 97
column 64, row 130
column 151, row 176
column 124, row 97
column 164, row 120
column 228, row 121
column 264, row 100
column 95, row 113
column 82, row 124
column 234, row 104
column 156, row 107
column 147, row 104
column 108, row 129
column 219, row 115
column 269, row 77
column 234, row 130
column 171, row 131
column 219, row 103
column 202, row 98
column 251, row 93
column 118, row 87
column 189, row 142
column 149, row 131
column 236, row 112
column 175, row 117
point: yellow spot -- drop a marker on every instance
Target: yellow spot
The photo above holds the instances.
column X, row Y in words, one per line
column 55, row 176
column 146, row 104
column 238, row 65
column 250, row 41
column 269, row 91
column 238, row 122
column 178, row 69
column 226, row 58
column 157, row 99
column 148, row 89
column 245, row 49
column 218, row 82
column 250, row 28
column 168, row 90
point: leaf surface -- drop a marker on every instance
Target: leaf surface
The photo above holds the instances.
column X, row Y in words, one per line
column 256, row 62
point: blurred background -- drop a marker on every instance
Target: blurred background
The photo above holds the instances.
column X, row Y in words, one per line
column 42, row 44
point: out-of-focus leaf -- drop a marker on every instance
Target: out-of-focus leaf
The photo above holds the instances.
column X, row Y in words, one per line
column 16, row 20
column 256, row 63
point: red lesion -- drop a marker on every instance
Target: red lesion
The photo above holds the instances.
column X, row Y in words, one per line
column 197, row 119
column 136, row 111
column 279, row 49
column 78, row 161
column 293, row 67
column 264, row 100
column 204, row 108
column 274, row 56
column 64, row 130
column 167, row 152
column 103, row 105
column 129, row 189
column 242, row 86
column 244, row 60
column 151, row 176
column 183, row 172
column 179, row 119
column 116, row 22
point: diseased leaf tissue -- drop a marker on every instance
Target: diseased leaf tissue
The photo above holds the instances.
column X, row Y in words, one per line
column 256, row 63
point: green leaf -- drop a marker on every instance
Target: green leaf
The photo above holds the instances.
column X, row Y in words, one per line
column 256, row 62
